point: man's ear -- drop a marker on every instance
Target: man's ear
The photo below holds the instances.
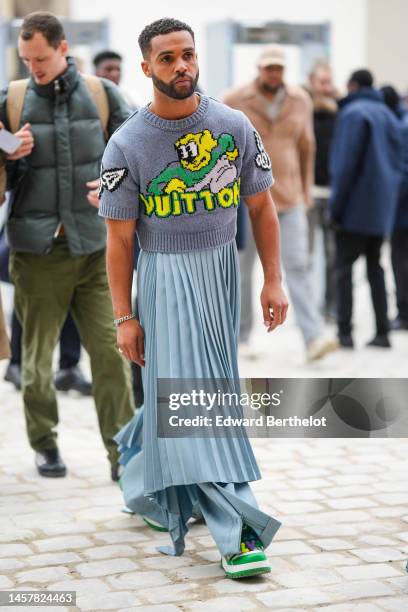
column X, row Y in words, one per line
column 64, row 47
column 146, row 69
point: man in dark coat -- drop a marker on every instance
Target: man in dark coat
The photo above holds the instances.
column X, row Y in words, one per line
column 365, row 180
column 399, row 243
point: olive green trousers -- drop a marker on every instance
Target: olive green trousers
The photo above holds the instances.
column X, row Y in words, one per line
column 46, row 286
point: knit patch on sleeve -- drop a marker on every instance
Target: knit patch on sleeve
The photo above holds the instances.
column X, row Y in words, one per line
column 112, row 178
column 262, row 159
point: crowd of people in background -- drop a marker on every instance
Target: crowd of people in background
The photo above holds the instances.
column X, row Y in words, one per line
column 341, row 189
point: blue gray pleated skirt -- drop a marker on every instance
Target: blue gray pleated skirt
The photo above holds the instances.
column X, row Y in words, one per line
column 188, row 306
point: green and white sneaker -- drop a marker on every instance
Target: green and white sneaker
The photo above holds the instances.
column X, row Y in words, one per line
column 251, row 561
column 154, row 524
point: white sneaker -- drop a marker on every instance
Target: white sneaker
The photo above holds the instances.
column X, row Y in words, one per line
column 319, row 347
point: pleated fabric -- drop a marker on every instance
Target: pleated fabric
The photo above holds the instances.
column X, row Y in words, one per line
column 188, row 306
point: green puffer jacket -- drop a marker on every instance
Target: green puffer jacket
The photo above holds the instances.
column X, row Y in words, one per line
column 48, row 187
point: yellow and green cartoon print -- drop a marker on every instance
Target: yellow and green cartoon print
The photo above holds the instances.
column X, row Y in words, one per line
column 204, row 172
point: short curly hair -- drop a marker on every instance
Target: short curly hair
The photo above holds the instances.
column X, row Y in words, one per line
column 161, row 26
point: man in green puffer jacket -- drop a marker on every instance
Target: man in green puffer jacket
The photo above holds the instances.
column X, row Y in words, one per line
column 57, row 240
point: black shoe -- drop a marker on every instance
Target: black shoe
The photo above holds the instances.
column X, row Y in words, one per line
column 73, row 379
column 346, row 341
column 13, row 375
column 399, row 324
column 50, row 464
column 380, row 340
column 116, row 472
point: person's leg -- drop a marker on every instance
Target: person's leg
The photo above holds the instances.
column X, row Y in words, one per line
column 349, row 247
column 240, row 530
column 375, row 275
column 13, row 371
column 42, row 295
column 15, row 342
column 69, row 376
column 294, row 250
column 399, row 255
column 247, row 259
column 92, row 311
column 70, row 344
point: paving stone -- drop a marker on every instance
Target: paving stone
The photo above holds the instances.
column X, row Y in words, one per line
column 393, row 604
column 400, row 583
column 389, row 511
column 105, row 568
column 224, row 603
column 14, row 535
column 379, row 555
column 335, row 517
column 163, row 562
column 10, row 564
column 403, row 536
column 332, row 544
column 53, row 559
column 119, row 537
column 306, row 578
column 296, row 507
column 288, row 548
column 110, row 552
column 138, row 580
column 169, row 593
column 393, row 498
column 68, row 527
column 375, row 540
column 350, row 503
column 293, row 597
column 324, row 491
column 12, row 550
column 332, row 530
column 6, row 583
column 88, row 586
column 368, row 572
column 349, row 491
column 357, row 607
column 254, row 585
column 107, row 601
column 359, row 589
column 301, row 495
column 324, row 560
column 62, row 543
column 44, row 574
column 213, row 570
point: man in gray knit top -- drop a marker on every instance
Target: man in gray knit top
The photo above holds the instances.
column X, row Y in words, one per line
column 174, row 173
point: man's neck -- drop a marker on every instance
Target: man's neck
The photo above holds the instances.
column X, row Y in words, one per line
column 172, row 109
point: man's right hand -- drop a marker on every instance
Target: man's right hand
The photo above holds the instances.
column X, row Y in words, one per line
column 25, row 135
column 130, row 339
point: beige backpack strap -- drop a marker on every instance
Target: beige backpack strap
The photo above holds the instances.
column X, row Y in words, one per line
column 100, row 97
column 15, row 102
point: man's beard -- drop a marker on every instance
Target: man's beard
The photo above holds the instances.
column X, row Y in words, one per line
column 169, row 89
column 270, row 88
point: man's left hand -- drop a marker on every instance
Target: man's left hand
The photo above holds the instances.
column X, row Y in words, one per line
column 274, row 305
column 92, row 195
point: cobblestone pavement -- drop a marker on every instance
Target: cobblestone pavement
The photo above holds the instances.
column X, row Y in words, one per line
column 342, row 547
column 343, row 505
